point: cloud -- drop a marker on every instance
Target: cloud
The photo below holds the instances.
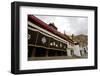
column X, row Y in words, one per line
column 72, row 25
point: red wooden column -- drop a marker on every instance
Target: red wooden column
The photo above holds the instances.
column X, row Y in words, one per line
column 46, row 54
column 33, row 52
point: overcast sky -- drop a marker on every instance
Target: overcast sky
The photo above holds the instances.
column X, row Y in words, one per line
column 71, row 25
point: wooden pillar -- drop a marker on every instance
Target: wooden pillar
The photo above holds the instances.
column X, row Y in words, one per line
column 46, row 54
column 55, row 53
column 33, row 52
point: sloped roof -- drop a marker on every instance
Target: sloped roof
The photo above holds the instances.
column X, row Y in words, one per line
column 45, row 26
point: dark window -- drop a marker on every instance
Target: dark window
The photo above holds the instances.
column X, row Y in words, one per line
column 40, row 52
column 52, row 53
column 59, row 53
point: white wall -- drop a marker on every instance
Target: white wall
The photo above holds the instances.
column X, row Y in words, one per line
column 77, row 50
column 5, row 28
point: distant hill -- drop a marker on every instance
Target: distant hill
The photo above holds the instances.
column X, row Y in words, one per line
column 82, row 39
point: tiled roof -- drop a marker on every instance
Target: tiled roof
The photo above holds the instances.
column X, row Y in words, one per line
column 45, row 26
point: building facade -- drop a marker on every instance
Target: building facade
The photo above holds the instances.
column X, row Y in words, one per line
column 45, row 41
